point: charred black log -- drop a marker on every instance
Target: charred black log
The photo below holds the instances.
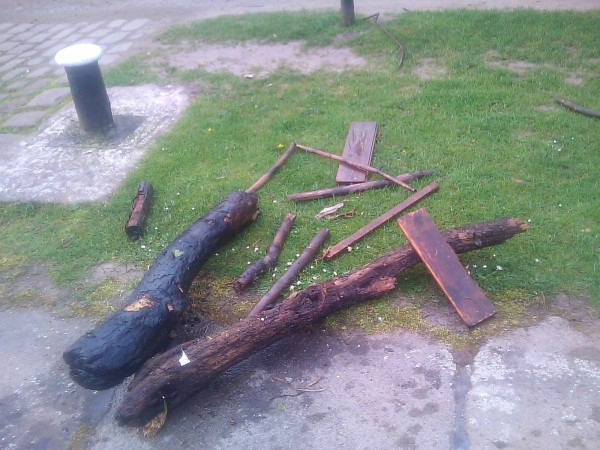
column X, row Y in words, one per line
column 120, row 344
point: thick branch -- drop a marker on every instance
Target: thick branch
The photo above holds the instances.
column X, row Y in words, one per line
column 163, row 377
column 253, row 271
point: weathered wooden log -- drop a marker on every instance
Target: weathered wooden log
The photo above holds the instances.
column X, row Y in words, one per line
column 353, row 188
column 253, row 271
column 164, row 379
column 120, row 344
column 134, row 227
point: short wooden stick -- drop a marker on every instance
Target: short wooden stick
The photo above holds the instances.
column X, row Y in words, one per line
column 292, row 272
column 342, row 246
column 253, row 271
column 357, row 166
column 267, row 176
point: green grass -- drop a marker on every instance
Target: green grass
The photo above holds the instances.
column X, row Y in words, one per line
column 496, row 140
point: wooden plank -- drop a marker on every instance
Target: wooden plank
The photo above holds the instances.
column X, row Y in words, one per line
column 360, row 143
column 463, row 292
column 343, row 245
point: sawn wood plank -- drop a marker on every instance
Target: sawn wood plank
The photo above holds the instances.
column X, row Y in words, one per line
column 360, row 143
column 463, row 292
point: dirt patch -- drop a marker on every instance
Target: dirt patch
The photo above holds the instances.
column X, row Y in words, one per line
column 251, row 59
column 429, row 69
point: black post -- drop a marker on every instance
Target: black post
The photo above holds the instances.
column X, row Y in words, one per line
column 87, row 87
column 347, row 13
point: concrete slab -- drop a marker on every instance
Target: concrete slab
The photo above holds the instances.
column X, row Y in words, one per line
column 536, row 388
column 40, row 407
column 27, row 119
column 533, row 388
column 50, row 97
column 58, row 165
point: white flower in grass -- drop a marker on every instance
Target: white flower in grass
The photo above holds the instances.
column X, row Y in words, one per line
column 499, row 267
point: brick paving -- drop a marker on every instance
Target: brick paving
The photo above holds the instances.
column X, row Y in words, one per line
column 32, row 85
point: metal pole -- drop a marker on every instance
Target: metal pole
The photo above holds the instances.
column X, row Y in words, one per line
column 87, row 87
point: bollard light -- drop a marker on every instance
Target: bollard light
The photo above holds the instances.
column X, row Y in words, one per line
column 87, row 87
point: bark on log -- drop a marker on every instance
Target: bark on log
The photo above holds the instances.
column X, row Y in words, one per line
column 119, row 345
column 253, row 271
column 353, row 188
column 134, row 227
column 163, row 378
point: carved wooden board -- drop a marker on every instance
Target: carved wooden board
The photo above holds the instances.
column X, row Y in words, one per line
column 463, row 292
column 360, row 143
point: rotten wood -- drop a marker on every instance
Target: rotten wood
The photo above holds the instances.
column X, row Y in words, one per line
column 292, row 272
column 119, row 345
column 578, row 108
column 134, row 227
column 464, row 293
column 359, row 147
column 357, row 166
column 353, row 188
column 253, row 271
column 163, row 380
column 269, row 174
column 343, row 245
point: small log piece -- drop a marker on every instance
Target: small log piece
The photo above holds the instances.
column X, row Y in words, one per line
column 253, row 271
column 119, row 345
column 163, row 379
column 343, row 245
column 292, row 272
column 134, row 227
column 353, row 188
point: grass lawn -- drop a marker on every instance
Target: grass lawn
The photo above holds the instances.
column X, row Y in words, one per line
column 485, row 121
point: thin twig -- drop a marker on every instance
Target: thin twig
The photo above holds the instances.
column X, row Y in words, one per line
column 267, row 176
column 400, row 46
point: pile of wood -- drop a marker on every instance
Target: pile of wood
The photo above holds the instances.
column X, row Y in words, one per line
column 133, row 340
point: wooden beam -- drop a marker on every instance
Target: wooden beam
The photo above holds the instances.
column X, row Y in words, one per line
column 463, row 292
column 359, row 147
column 340, row 247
